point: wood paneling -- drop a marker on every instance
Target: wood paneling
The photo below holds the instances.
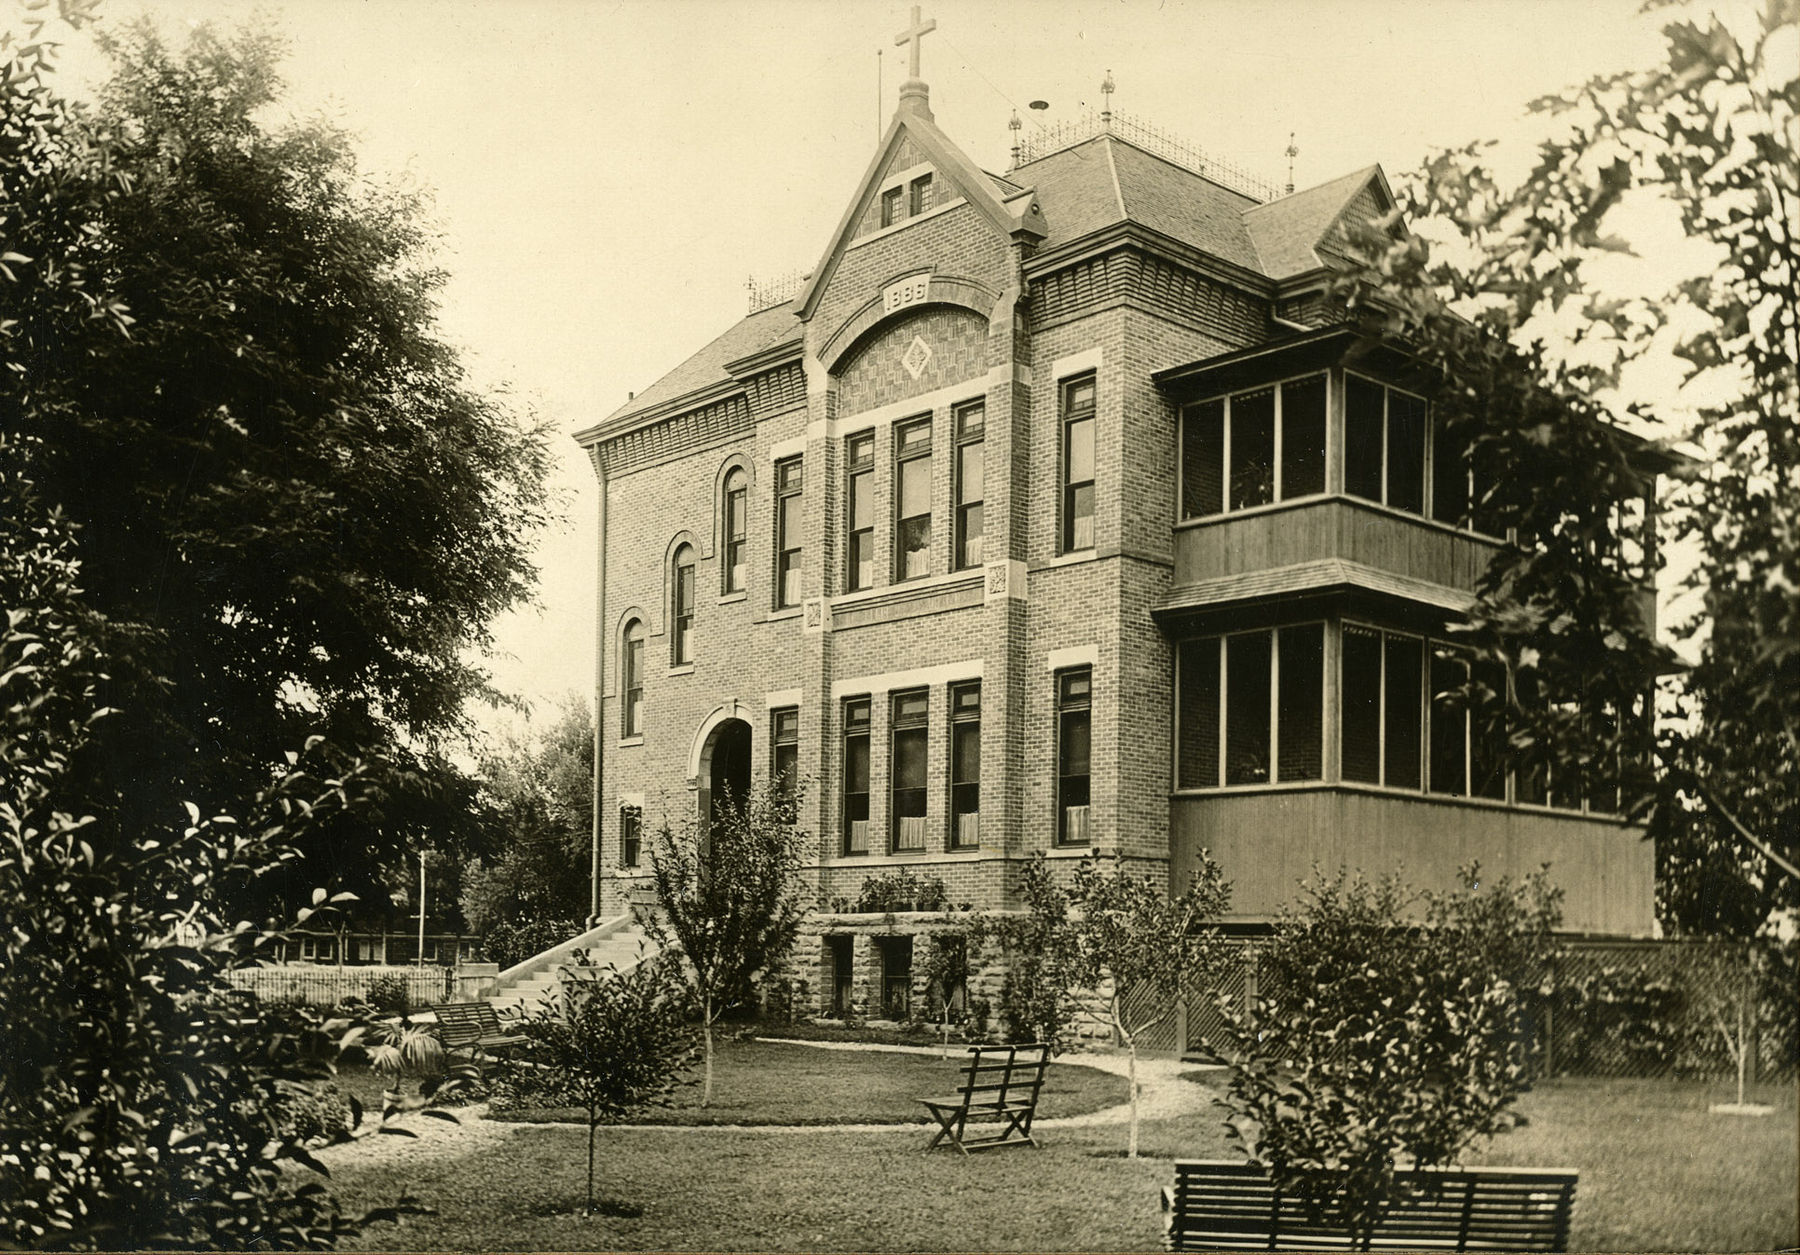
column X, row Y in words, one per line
column 1268, row 842
column 1339, row 528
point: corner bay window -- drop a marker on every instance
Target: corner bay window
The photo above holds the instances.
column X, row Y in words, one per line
column 631, row 681
column 1078, row 464
column 789, row 480
column 1250, row 708
column 912, row 499
column 1253, row 448
column 856, row 776
column 1074, row 726
column 965, row 765
column 859, row 511
column 968, row 490
column 1401, row 734
column 910, row 736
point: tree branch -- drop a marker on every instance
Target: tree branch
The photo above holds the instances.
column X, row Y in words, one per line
column 1757, row 843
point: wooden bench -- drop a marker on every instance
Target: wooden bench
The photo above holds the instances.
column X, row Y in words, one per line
column 472, row 1026
column 999, row 1091
column 1231, row 1205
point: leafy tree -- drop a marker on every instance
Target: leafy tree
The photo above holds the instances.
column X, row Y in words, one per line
column 541, row 797
column 943, row 968
column 1372, row 1039
column 281, row 475
column 1142, row 948
column 1528, row 335
column 614, row 1041
column 728, row 894
column 141, row 1097
column 1039, row 992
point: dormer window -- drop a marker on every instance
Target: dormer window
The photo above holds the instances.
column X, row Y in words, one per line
column 891, row 206
column 918, row 197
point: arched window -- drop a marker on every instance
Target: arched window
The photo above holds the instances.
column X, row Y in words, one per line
column 681, row 607
column 631, row 680
column 735, row 529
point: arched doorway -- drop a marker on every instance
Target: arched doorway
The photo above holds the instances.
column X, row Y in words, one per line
column 724, row 766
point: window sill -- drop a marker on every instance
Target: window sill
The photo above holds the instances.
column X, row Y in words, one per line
column 902, row 860
column 686, row 668
column 1072, row 558
column 1404, row 795
column 1070, row 851
column 625, row 741
column 1319, row 498
column 726, row 599
column 784, row 612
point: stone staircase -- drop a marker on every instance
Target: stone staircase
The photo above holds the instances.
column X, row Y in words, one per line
column 522, row 987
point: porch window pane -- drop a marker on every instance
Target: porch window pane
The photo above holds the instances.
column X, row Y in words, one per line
column 1203, row 460
column 1303, row 437
column 1403, row 710
column 1361, row 719
column 1301, row 727
column 1252, row 449
column 1198, row 755
column 1247, row 708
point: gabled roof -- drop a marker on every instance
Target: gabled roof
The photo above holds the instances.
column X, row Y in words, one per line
column 1286, row 233
column 995, row 199
column 1108, row 180
column 759, row 331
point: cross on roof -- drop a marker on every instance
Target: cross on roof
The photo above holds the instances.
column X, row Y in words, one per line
column 912, row 35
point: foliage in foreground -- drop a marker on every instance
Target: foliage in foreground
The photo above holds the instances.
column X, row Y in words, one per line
column 1373, row 1040
column 729, row 898
column 614, row 1041
column 1528, row 336
column 222, row 333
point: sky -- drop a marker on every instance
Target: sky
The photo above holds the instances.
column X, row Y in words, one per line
column 609, row 173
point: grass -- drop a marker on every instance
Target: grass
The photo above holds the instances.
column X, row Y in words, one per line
column 1658, row 1173
column 757, row 1082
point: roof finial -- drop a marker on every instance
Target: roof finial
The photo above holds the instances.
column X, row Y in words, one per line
column 1106, row 90
column 1292, row 152
column 914, row 96
column 1014, row 126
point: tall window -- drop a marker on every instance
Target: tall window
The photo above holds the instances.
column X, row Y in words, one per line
column 1078, row 464
column 970, row 486
column 856, row 776
column 1383, row 707
column 681, row 596
column 859, row 510
column 789, row 480
column 1253, row 448
column 1384, row 444
column 910, row 734
column 784, row 753
column 1250, row 708
column 965, row 765
column 631, row 714
column 918, row 195
column 912, row 499
column 1074, row 726
column 736, row 530
column 890, row 206
column 631, row 835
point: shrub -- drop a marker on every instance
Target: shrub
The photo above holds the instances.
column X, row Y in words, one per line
column 389, row 994
column 514, row 941
column 319, row 1114
column 1037, row 993
column 1376, row 1040
column 901, row 890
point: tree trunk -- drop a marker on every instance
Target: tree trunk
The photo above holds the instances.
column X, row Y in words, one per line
column 1743, row 1050
column 706, row 1014
column 1131, row 1055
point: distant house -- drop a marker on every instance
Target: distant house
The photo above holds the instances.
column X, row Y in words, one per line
column 1051, row 514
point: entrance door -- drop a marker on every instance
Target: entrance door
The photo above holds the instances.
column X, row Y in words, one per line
column 727, row 772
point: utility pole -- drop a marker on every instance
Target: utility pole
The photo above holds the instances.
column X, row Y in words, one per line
column 421, row 908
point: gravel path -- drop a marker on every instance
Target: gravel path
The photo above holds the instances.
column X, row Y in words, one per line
column 1163, row 1094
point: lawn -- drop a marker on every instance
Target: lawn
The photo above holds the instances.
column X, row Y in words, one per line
column 758, row 1082
column 1658, row 1173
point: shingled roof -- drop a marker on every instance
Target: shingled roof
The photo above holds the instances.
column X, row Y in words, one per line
column 1082, row 189
column 762, row 330
column 1286, row 232
column 1107, row 180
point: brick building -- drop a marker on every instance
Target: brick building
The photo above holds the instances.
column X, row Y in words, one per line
column 1047, row 516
